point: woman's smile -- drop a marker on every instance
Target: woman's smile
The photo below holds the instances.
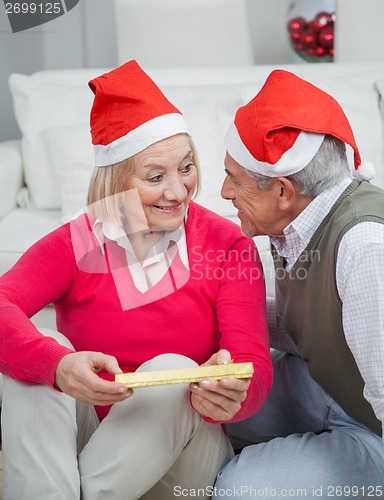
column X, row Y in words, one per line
column 169, row 209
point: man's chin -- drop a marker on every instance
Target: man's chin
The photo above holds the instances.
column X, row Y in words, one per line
column 247, row 229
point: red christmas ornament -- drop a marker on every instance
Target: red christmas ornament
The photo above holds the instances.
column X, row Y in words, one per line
column 320, row 51
column 297, row 24
column 308, row 39
column 322, row 19
column 310, row 51
column 326, row 37
column 295, row 36
column 314, row 26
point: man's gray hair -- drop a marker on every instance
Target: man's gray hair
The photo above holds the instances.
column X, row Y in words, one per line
column 326, row 169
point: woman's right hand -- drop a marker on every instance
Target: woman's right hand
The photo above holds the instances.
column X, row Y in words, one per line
column 76, row 375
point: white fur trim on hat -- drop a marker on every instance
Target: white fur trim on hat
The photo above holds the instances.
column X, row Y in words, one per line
column 365, row 172
column 293, row 160
column 140, row 138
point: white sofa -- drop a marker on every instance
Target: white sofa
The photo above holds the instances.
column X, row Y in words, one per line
column 43, row 177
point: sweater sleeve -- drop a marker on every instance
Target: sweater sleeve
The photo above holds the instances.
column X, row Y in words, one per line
column 241, row 312
column 41, row 276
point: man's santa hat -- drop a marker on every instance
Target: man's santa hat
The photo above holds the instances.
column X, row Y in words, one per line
column 129, row 113
column 281, row 129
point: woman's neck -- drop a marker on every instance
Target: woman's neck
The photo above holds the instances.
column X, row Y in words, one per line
column 142, row 242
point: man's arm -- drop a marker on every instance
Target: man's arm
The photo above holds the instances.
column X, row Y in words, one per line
column 360, row 282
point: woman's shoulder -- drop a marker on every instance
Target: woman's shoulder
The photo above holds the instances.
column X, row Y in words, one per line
column 206, row 224
column 202, row 215
column 208, row 232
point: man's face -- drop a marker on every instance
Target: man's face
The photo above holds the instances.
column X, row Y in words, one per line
column 259, row 211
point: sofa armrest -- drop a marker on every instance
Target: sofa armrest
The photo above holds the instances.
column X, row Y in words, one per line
column 11, row 175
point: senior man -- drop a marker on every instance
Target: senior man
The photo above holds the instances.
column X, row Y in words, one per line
column 320, row 432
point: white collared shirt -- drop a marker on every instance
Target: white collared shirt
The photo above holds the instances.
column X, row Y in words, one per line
column 151, row 270
column 360, row 284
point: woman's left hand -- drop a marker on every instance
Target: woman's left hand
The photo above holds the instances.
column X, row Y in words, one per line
column 219, row 399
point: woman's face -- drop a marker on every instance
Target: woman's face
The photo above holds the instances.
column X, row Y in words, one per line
column 165, row 178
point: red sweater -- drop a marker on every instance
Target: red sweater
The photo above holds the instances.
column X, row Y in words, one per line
column 221, row 305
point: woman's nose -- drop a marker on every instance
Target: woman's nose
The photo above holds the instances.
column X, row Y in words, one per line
column 176, row 190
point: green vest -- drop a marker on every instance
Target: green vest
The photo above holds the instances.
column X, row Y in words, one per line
column 313, row 309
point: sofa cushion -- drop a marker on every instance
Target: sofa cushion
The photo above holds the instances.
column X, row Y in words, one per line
column 20, row 229
column 71, row 154
column 44, row 100
column 11, row 175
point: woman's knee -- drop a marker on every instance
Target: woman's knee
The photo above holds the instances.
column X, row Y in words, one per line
column 167, row 361
column 169, row 400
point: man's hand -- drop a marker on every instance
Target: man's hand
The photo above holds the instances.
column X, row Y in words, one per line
column 76, row 375
column 219, row 399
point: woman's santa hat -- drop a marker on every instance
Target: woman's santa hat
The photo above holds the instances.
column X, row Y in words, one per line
column 129, row 113
column 281, row 129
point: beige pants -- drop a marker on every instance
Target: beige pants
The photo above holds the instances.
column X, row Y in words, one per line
column 152, row 446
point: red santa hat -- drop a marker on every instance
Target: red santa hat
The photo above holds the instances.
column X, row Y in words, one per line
column 129, row 113
column 281, row 129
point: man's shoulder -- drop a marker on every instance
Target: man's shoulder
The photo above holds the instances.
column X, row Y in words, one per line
column 363, row 204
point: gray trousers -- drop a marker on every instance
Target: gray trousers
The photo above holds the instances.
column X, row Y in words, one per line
column 150, row 446
column 306, row 445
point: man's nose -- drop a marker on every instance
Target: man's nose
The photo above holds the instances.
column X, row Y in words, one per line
column 226, row 191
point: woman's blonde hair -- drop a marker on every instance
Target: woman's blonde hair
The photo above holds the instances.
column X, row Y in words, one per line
column 107, row 182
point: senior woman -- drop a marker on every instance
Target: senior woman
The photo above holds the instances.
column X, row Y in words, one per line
column 144, row 279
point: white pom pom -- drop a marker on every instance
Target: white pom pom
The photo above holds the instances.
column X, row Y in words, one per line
column 365, row 172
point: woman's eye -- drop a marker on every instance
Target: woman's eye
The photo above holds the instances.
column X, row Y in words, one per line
column 187, row 168
column 156, row 178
